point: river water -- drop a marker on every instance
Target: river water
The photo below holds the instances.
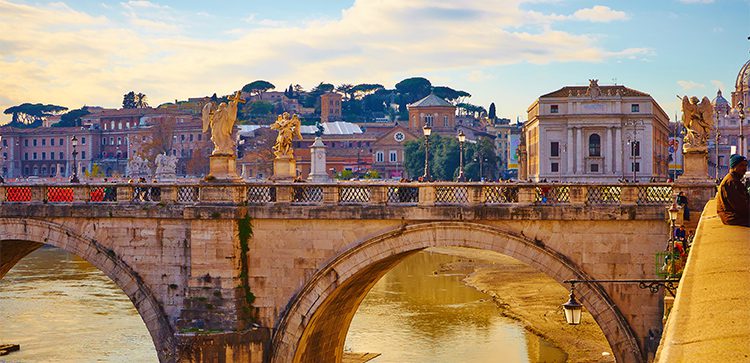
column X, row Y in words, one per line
column 62, row 309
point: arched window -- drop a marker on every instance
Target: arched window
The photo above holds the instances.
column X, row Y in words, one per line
column 595, row 145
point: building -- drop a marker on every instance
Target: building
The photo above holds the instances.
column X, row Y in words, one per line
column 507, row 137
column 434, row 111
column 596, row 134
column 727, row 123
column 330, row 107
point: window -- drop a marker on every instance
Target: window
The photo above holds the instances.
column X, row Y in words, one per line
column 635, row 148
column 379, row 156
column 62, row 142
column 554, row 149
column 393, row 157
column 34, row 142
column 111, row 140
column 51, row 142
column 182, row 138
column 191, row 137
column 635, row 166
column 61, row 155
column 200, row 137
column 595, row 145
column 119, row 125
column 44, row 155
column 554, row 109
column 445, row 121
column 5, row 156
column 5, row 142
column 44, row 142
column 112, row 125
column 555, row 167
column 35, row 156
column 119, row 141
column 594, row 168
column 119, row 154
column 52, row 156
column 83, row 140
column 104, row 141
column 635, row 108
column 26, row 143
column 428, row 120
column 83, row 155
column 26, row 156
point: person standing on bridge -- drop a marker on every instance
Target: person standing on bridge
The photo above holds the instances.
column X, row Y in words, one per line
column 733, row 199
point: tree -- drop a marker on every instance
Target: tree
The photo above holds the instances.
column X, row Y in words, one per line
column 444, row 158
column 469, row 109
column 257, row 88
column 449, row 94
column 346, row 89
column 128, row 100
column 160, row 138
column 259, row 108
column 493, row 111
column 72, row 117
column 481, row 156
column 414, row 88
column 361, row 90
column 140, row 101
column 32, row 114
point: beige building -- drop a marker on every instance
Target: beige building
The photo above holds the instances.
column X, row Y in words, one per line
column 434, row 111
column 728, row 124
column 330, row 107
column 596, row 134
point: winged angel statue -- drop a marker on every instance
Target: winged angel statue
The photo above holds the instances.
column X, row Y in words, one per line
column 221, row 121
column 289, row 127
column 698, row 120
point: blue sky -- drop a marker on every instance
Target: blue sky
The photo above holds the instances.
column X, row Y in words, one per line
column 504, row 51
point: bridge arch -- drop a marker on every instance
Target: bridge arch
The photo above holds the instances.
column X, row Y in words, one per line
column 19, row 237
column 314, row 325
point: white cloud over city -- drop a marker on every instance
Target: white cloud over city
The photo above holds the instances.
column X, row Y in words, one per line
column 57, row 54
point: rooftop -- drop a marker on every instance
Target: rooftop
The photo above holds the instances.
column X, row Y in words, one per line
column 431, row 101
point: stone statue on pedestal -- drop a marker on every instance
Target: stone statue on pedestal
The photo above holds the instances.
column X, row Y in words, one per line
column 698, row 121
column 220, row 119
column 166, row 167
column 138, row 168
column 284, row 165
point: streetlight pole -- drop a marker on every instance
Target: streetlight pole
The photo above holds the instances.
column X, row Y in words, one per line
column 633, row 144
column 461, row 140
column 426, row 130
column 74, row 177
column 2, row 161
column 741, row 105
column 672, row 218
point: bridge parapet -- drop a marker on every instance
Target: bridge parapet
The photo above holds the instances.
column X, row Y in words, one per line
column 392, row 194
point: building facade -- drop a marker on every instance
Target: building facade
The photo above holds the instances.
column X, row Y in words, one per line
column 732, row 130
column 330, row 107
column 596, row 134
column 434, row 111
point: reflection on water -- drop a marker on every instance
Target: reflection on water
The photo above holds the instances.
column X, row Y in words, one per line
column 415, row 315
column 60, row 308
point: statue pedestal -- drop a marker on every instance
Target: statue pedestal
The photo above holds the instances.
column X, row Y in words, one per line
column 318, row 172
column 222, row 168
column 284, row 168
column 695, row 166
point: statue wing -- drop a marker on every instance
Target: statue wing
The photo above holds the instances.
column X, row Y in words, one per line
column 706, row 109
column 206, row 116
column 297, row 127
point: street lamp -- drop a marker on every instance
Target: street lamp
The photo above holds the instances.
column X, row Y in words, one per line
column 633, row 145
column 2, row 161
column 74, row 177
column 426, row 130
column 572, row 308
column 672, row 218
column 480, row 159
column 742, row 134
column 461, row 140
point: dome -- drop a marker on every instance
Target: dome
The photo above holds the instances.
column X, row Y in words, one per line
column 720, row 100
column 743, row 77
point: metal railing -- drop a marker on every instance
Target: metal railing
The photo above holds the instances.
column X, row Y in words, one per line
column 353, row 193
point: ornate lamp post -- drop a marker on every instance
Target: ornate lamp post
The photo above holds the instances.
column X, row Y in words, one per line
column 461, row 140
column 742, row 134
column 74, row 177
column 672, row 218
column 426, row 130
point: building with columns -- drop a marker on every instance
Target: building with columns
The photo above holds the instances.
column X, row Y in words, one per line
column 727, row 123
column 596, row 134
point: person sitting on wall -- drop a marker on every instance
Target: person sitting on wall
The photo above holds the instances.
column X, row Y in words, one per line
column 733, row 199
column 682, row 201
column 680, row 233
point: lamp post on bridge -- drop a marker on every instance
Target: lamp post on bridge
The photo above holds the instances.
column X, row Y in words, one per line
column 672, row 218
column 461, row 140
column 634, row 145
column 74, row 177
column 426, row 130
column 2, row 161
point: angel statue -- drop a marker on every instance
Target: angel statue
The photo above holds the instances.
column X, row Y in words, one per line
column 289, row 128
column 221, row 121
column 698, row 121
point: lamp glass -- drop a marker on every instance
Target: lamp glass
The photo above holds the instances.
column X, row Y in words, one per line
column 74, row 141
column 673, row 212
column 572, row 310
column 427, row 130
column 461, row 136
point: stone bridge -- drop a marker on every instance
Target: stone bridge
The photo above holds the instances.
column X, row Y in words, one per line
column 275, row 272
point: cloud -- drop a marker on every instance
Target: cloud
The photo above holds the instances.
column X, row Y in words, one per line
column 57, row 54
column 719, row 85
column 600, row 14
column 689, row 85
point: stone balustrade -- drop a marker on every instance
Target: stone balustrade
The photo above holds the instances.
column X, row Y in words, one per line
column 349, row 193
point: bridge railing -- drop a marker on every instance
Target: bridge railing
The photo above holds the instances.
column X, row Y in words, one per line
column 348, row 193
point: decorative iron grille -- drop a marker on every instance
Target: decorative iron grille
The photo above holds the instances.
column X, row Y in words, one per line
column 354, row 195
column 655, row 195
column 451, row 195
column 500, row 194
column 146, row 193
column 261, row 194
column 403, row 195
column 603, row 195
column 552, row 194
column 59, row 194
column 18, row 194
column 307, row 194
column 103, row 193
column 187, row 194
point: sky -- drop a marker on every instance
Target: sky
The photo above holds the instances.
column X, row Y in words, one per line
column 509, row 52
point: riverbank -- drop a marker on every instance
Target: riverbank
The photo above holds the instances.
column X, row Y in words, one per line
column 530, row 297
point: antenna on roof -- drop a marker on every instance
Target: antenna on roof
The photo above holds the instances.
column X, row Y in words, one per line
column 614, row 81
